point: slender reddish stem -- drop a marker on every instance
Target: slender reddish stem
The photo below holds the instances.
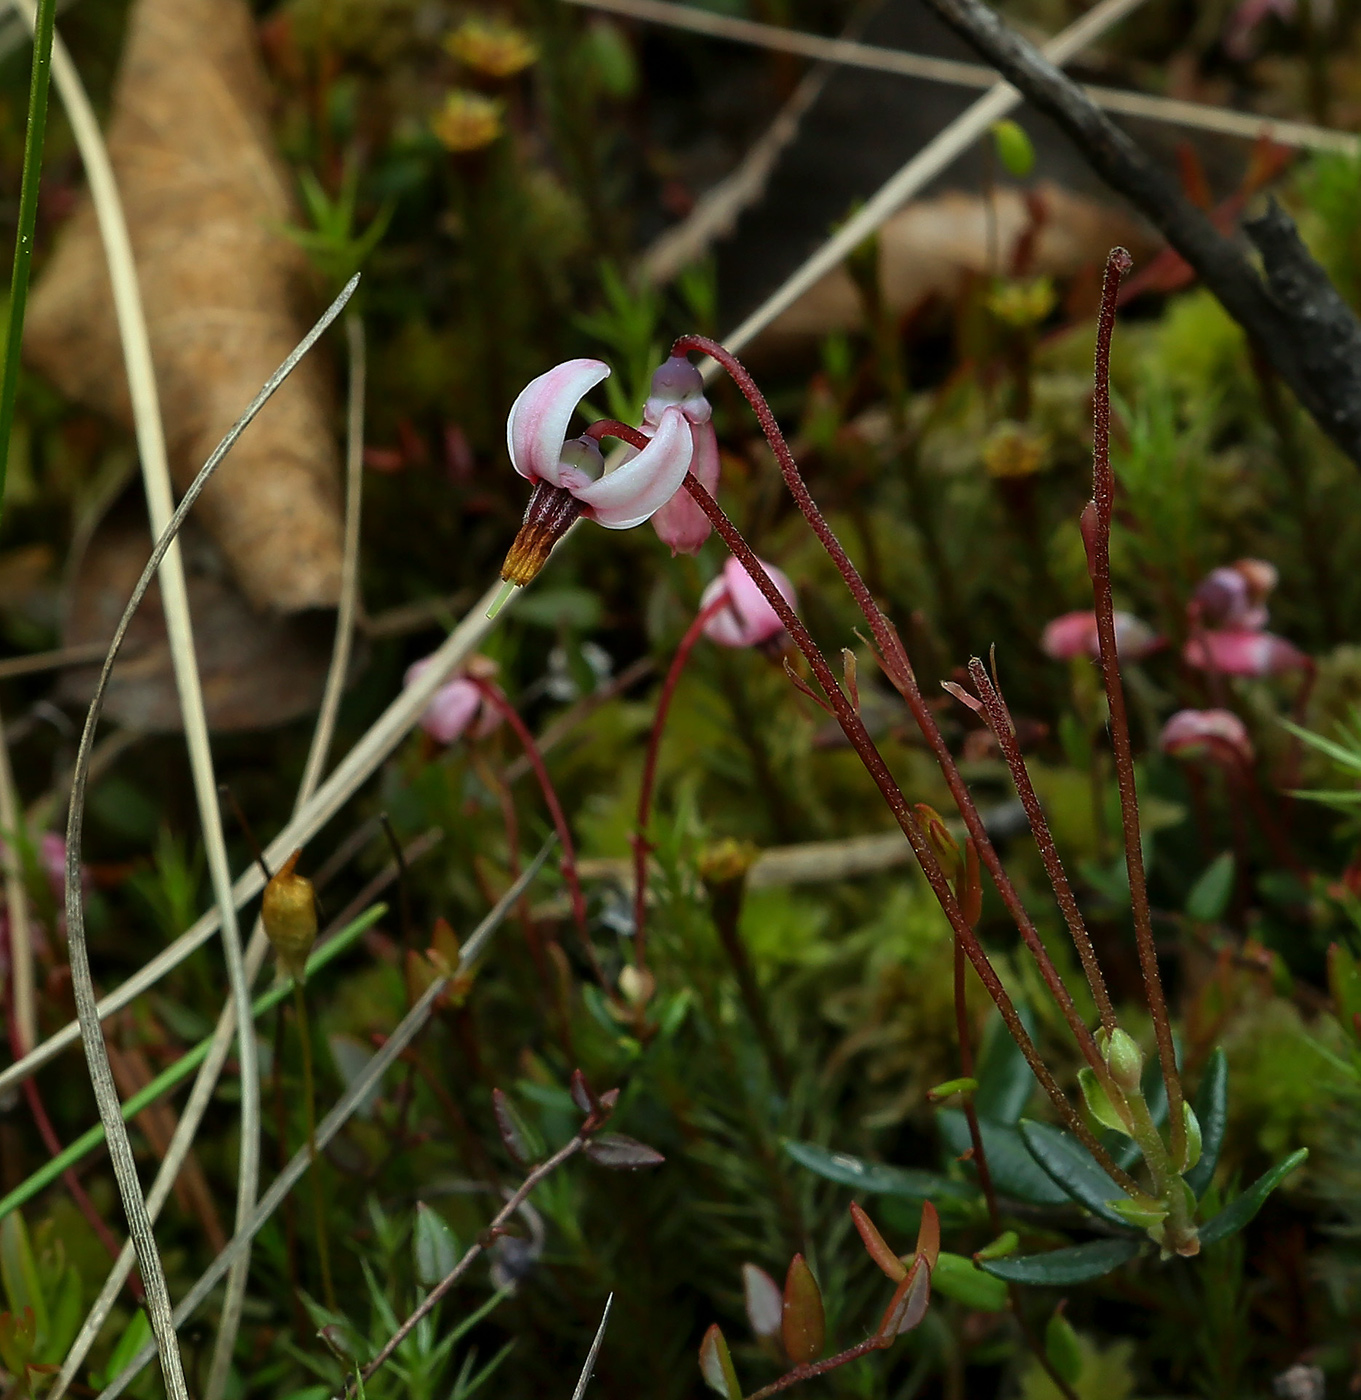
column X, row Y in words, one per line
column 899, row 670
column 868, row 752
column 999, row 720
column 820, row 1368
column 1098, row 539
column 498, row 701
column 78, row 1193
column 642, row 847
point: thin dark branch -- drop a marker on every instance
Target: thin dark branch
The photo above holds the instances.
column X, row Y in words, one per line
column 1297, row 319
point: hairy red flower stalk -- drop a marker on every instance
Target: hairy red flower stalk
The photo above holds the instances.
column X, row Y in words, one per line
column 1098, row 540
column 899, row 670
column 854, row 729
column 999, row 720
column 642, row 848
column 495, row 698
column 878, row 1342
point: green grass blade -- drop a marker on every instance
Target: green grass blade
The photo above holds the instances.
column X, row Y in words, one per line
column 28, row 216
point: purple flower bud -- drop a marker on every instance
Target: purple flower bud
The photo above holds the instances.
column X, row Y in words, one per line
column 677, row 384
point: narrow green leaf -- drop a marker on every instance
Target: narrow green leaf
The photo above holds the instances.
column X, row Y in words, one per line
column 1014, row 1171
column 1072, row 1168
column 877, row 1177
column 1343, row 756
column 1239, row 1212
column 1098, row 1102
column 1212, row 1109
column 433, row 1246
column 39, row 82
column 961, row 1279
column 1005, row 1080
column 1060, row 1267
column 1062, row 1349
column 1209, row 896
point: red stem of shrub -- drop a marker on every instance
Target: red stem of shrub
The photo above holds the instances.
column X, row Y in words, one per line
column 493, row 695
column 999, row 720
column 899, row 670
column 868, row 752
column 1098, row 540
column 642, row 848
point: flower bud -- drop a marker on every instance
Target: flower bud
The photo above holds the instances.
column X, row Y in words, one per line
column 1124, row 1059
column 289, row 914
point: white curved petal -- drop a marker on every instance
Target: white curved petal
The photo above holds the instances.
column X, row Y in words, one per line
column 537, row 425
column 628, row 495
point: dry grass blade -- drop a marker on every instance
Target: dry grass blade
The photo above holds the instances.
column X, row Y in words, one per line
column 591, row 1355
column 120, row 1148
column 348, row 609
column 136, row 348
column 402, row 1035
column 920, row 170
column 355, row 769
column 1199, row 116
column 195, row 1107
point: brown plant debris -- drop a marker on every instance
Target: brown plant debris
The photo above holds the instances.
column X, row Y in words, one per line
column 256, row 671
column 206, row 198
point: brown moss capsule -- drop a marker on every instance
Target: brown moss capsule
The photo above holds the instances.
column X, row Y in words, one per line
column 289, row 913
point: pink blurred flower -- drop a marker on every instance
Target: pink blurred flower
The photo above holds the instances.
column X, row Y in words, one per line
column 1218, row 735
column 747, row 620
column 1238, row 33
column 1244, row 652
column 1074, row 634
column 680, row 523
column 454, row 707
column 569, row 476
column 1235, row 595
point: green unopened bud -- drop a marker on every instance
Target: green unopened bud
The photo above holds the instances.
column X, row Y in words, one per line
column 1193, row 1138
column 1124, row 1059
column 289, row 914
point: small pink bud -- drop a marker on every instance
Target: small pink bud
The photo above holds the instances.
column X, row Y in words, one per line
column 1244, row 652
column 748, row 620
column 1216, row 735
column 455, row 706
column 1234, row 597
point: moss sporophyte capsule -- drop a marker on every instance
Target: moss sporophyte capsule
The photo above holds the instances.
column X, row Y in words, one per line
column 289, row 914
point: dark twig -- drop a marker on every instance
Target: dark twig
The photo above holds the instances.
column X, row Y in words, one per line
column 403, row 896
column 1096, row 522
column 1297, row 319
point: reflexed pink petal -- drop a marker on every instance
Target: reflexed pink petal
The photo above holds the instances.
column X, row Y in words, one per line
column 629, row 494
column 748, row 620
column 537, row 425
column 1218, row 735
column 681, row 523
column 1244, row 652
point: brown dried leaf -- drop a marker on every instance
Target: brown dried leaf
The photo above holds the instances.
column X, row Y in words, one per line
column 257, row 671
column 206, row 198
